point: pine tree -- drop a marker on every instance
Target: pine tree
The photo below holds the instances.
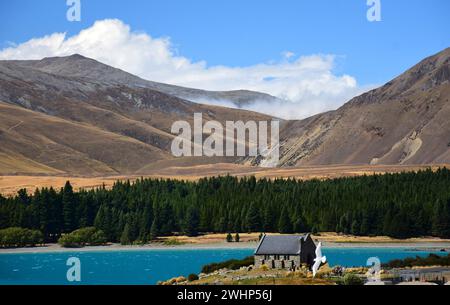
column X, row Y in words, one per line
column 43, row 206
column 68, row 200
column 145, row 224
column 155, row 229
column 398, row 205
column 133, row 226
column 221, row 225
column 344, row 224
column 401, row 224
column 268, row 222
column 299, row 226
column 365, row 224
column 284, row 224
column 252, row 220
column 441, row 219
column 100, row 220
column 125, row 239
column 387, row 223
column 355, row 227
column 166, row 219
column 192, row 222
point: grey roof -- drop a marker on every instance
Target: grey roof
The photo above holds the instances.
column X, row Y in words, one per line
column 280, row 245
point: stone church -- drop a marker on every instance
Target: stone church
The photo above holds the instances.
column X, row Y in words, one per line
column 285, row 251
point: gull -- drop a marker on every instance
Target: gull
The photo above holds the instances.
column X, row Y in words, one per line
column 318, row 260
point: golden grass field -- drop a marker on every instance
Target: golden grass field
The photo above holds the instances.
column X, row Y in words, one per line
column 9, row 185
column 328, row 237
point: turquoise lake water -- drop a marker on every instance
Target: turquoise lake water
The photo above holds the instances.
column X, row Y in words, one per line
column 150, row 266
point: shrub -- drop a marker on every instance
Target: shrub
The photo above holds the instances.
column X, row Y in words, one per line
column 82, row 237
column 237, row 238
column 337, row 270
column 70, row 241
column 229, row 238
column 192, row 277
column 98, row 238
column 173, row 242
column 20, row 237
column 325, row 271
column 352, row 280
column 301, row 273
column 232, row 264
column 430, row 260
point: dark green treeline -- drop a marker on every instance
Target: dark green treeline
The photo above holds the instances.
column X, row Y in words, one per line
column 398, row 205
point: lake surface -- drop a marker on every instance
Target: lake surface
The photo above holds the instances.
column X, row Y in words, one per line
column 150, row 266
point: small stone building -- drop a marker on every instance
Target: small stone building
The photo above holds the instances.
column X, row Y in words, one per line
column 285, row 251
column 438, row 275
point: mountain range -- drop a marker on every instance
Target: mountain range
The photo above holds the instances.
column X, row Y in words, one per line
column 406, row 121
column 74, row 115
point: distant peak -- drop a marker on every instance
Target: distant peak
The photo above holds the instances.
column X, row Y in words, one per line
column 76, row 56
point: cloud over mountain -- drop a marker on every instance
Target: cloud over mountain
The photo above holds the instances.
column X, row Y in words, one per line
column 307, row 83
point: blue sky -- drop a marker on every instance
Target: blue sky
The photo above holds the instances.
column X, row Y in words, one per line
column 236, row 33
column 247, row 32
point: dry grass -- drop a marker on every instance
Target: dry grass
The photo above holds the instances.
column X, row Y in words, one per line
column 341, row 238
column 213, row 238
column 36, row 143
column 260, row 276
column 305, row 172
column 328, row 237
column 11, row 184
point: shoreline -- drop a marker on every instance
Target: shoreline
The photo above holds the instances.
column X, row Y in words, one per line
column 55, row 248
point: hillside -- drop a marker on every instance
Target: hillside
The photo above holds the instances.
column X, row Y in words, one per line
column 76, row 116
column 406, row 121
column 81, row 124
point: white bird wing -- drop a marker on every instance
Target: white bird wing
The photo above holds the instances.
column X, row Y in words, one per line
column 318, row 251
column 316, row 267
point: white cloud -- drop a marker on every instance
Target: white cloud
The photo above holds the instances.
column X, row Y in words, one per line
column 307, row 82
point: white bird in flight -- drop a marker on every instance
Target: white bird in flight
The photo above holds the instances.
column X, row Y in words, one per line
column 318, row 260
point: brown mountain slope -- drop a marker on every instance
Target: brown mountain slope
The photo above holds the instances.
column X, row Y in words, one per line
column 85, row 126
column 83, row 67
column 103, row 121
column 406, row 121
column 52, row 145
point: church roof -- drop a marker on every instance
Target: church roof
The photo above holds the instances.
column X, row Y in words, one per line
column 280, row 245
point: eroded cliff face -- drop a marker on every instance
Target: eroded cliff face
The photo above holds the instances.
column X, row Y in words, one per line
column 406, row 121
